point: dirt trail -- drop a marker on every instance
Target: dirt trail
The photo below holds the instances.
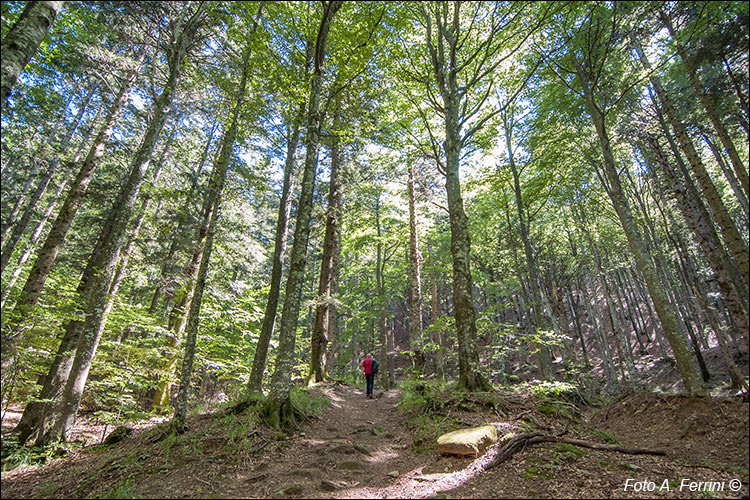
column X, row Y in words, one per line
column 357, row 448
column 362, row 448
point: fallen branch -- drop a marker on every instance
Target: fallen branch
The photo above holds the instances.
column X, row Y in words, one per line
column 519, row 443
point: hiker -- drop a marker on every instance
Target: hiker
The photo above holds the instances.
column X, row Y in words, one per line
column 369, row 370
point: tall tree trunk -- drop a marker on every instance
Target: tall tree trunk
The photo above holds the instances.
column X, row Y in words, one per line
column 415, row 275
column 546, row 369
column 326, row 302
column 105, row 259
column 11, row 217
column 206, row 236
column 729, row 231
column 470, row 374
column 182, row 219
column 707, row 240
column 21, row 42
column 665, row 310
column 381, row 302
column 434, row 316
column 20, row 226
column 278, row 407
column 56, row 237
column 721, row 131
column 728, row 175
column 255, row 383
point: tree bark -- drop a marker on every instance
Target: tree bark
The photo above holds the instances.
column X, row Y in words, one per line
column 544, row 354
column 707, row 240
column 278, row 404
column 22, row 40
column 206, row 236
column 721, row 131
column 48, row 252
column 325, row 311
column 729, row 231
column 665, row 310
column 20, row 227
column 105, row 259
column 415, row 274
column 434, row 317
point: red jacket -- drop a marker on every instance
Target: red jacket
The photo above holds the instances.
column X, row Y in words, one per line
column 367, row 365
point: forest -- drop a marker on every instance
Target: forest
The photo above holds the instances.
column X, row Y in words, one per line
column 533, row 215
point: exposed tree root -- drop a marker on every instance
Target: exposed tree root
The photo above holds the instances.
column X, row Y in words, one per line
column 518, row 443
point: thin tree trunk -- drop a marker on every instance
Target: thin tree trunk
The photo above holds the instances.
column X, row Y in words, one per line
column 11, row 220
column 726, row 141
column 20, row 226
column 206, row 236
column 415, row 275
column 728, row 175
column 326, row 302
column 434, row 317
column 667, row 314
column 105, row 259
column 278, row 407
column 255, row 384
column 182, row 219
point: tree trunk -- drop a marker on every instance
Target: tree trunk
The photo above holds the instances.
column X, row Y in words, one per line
column 381, row 301
column 434, row 316
column 56, row 237
column 470, row 374
column 182, row 219
column 546, row 369
column 11, row 218
column 707, row 240
column 278, row 401
column 105, row 259
column 728, row 175
column 726, row 141
column 665, row 310
column 326, row 302
column 21, row 42
column 729, row 231
column 20, row 227
column 415, row 275
column 206, row 236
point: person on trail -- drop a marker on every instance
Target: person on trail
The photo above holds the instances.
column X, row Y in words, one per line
column 369, row 370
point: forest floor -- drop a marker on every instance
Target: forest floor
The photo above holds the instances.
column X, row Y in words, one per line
column 362, row 448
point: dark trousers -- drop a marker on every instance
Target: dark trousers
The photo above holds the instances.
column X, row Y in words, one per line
column 370, row 377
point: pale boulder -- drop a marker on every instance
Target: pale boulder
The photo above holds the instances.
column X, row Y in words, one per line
column 467, row 442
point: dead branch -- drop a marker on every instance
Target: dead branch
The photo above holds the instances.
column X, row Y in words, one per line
column 519, row 443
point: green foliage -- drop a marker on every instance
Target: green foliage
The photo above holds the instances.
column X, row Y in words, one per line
column 15, row 456
column 547, row 388
column 307, row 404
column 565, row 448
column 424, row 396
column 124, row 489
column 426, row 429
column 535, row 472
column 606, row 436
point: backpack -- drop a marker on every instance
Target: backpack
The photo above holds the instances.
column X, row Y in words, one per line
column 375, row 367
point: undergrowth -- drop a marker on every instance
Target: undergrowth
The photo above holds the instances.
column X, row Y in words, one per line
column 15, row 456
column 431, row 403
